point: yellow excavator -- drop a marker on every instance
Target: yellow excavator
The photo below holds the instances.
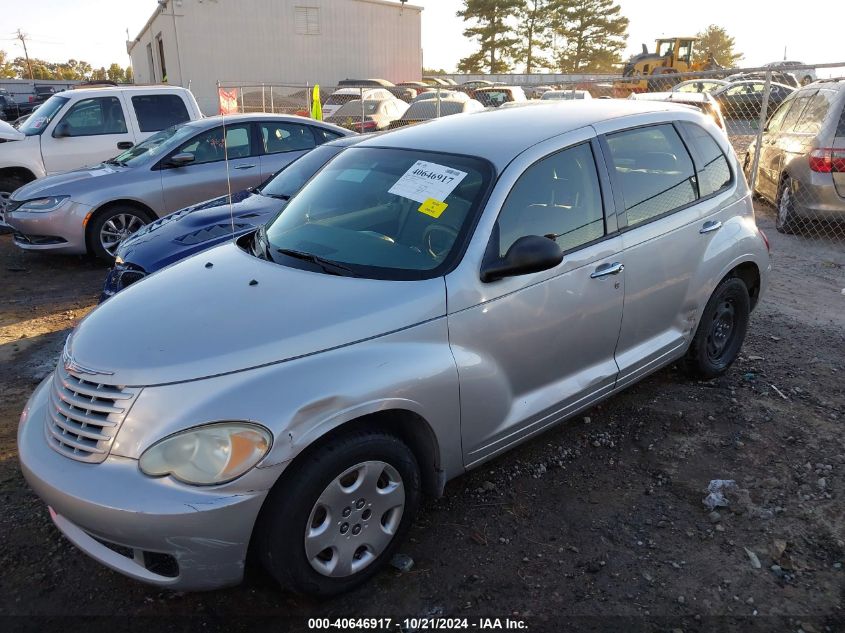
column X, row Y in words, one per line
column 655, row 71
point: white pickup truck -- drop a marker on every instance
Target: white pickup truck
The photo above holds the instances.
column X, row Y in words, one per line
column 77, row 128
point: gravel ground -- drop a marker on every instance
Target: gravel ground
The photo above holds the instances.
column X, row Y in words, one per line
column 596, row 525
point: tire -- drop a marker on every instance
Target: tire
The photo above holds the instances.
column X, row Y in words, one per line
column 289, row 532
column 785, row 221
column 720, row 332
column 117, row 220
column 8, row 184
column 746, row 169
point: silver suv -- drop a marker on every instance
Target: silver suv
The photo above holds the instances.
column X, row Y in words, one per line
column 801, row 169
column 431, row 298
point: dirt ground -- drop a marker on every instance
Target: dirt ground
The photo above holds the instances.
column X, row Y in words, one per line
column 596, row 525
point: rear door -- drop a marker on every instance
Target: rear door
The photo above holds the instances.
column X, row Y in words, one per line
column 90, row 131
column 282, row 143
column 667, row 226
column 770, row 152
column 208, row 176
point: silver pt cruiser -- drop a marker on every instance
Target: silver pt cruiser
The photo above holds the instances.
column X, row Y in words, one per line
column 431, row 298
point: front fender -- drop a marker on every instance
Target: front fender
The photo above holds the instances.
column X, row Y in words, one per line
column 301, row 400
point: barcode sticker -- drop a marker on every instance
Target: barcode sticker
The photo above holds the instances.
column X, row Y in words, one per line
column 424, row 181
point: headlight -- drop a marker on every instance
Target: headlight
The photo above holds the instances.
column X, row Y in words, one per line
column 40, row 205
column 211, row 454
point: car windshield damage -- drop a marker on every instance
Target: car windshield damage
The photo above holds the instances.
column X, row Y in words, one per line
column 40, row 118
column 382, row 213
column 156, row 144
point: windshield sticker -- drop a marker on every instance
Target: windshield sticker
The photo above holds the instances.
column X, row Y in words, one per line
column 433, row 207
column 353, row 175
column 426, row 180
column 38, row 122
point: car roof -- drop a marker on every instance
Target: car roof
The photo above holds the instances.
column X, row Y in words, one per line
column 209, row 122
column 698, row 97
column 501, row 134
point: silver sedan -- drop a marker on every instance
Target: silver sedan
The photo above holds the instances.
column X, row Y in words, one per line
column 429, row 299
column 93, row 209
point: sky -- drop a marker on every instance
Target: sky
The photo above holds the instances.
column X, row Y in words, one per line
column 95, row 30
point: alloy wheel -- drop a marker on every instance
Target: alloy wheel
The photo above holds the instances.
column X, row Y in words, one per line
column 118, row 228
column 354, row 519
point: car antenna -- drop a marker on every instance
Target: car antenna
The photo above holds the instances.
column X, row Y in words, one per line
column 228, row 176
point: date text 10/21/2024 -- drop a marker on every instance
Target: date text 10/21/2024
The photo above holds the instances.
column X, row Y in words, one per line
column 417, row 624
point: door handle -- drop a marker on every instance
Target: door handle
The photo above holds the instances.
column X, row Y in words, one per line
column 710, row 226
column 244, row 166
column 125, row 145
column 607, row 269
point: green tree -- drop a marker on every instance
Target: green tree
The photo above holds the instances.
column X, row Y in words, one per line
column 534, row 31
column 99, row 74
column 115, row 73
column 7, row 70
column 715, row 44
column 130, row 75
column 593, row 35
column 492, row 28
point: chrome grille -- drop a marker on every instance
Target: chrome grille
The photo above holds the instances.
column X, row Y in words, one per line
column 84, row 416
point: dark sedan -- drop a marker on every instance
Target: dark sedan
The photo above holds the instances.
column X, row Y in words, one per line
column 201, row 226
column 744, row 99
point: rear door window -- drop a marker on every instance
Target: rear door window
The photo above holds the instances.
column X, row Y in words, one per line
column 654, row 170
column 285, row 137
column 714, row 172
column 157, row 112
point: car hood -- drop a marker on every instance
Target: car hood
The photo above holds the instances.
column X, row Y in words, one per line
column 8, row 133
column 193, row 320
column 196, row 228
column 68, row 183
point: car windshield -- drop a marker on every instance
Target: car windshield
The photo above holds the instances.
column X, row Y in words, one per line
column 382, row 213
column 158, row 143
column 41, row 118
column 290, row 180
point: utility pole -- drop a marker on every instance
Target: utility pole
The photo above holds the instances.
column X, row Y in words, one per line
column 22, row 37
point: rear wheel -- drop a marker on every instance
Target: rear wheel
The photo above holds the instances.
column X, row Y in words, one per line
column 336, row 519
column 785, row 220
column 112, row 225
column 721, row 332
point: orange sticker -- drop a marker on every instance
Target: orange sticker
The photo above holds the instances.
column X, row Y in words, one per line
column 433, row 207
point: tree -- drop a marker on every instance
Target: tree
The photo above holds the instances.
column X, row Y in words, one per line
column 428, row 72
column 7, row 70
column 130, row 75
column 715, row 43
column 493, row 31
column 534, row 30
column 99, row 74
column 594, row 34
column 116, row 74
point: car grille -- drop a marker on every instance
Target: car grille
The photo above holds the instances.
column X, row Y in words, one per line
column 84, row 416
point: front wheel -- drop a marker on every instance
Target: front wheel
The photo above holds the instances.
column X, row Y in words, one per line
column 336, row 519
column 721, row 332
column 113, row 225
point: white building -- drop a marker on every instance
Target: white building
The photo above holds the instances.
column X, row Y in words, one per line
column 201, row 42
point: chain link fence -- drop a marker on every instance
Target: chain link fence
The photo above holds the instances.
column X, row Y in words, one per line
column 786, row 124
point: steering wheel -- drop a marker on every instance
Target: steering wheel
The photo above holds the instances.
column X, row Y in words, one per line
column 431, row 247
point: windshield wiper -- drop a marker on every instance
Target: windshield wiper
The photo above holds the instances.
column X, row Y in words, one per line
column 277, row 196
column 114, row 161
column 328, row 266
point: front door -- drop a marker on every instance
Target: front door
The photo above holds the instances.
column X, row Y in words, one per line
column 91, row 131
column 541, row 345
column 209, row 176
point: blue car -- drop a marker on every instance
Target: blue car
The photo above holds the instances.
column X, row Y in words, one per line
column 201, row 226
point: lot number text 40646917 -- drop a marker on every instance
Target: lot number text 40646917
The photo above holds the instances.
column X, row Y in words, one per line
column 417, row 624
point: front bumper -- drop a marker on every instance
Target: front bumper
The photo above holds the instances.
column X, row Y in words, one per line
column 151, row 529
column 58, row 231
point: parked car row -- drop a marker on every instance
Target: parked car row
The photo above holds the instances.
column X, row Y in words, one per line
column 385, row 314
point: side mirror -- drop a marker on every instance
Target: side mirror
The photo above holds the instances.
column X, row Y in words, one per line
column 529, row 254
column 62, row 130
column 181, row 159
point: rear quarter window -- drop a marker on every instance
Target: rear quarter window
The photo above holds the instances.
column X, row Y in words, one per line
column 714, row 172
column 814, row 114
column 157, row 112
